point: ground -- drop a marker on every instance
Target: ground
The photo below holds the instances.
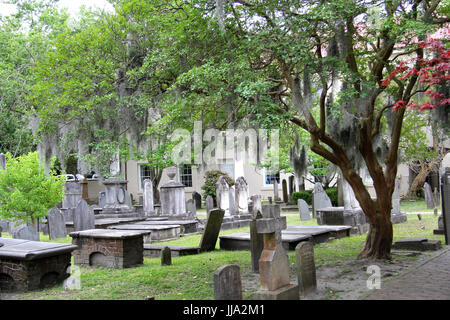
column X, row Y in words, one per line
column 340, row 276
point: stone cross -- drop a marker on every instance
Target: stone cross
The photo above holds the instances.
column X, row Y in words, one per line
column 2, row 161
column 227, row 283
column 148, row 207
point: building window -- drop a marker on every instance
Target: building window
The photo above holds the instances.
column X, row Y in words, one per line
column 186, row 175
column 144, row 173
column 270, row 177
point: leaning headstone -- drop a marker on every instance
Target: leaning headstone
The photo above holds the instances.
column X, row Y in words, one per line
column 320, row 199
column 227, row 283
column 148, row 207
column 212, row 229
column 25, row 232
column 429, row 198
column 274, row 262
column 56, row 224
column 166, row 257
column 241, row 195
column 304, row 210
column 2, row 161
column 83, row 217
column 197, row 199
column 306, row 268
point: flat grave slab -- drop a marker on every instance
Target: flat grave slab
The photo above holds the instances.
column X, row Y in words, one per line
column 417, row 244
column 109, row 248
column 29, row 265
column 105, row 222
column 158, row 232
column 241, row 240
column 187, row 226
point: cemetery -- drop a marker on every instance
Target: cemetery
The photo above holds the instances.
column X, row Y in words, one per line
column 225, row 150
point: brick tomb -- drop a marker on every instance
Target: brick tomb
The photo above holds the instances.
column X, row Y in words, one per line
column 109, row 248
column 28, row 265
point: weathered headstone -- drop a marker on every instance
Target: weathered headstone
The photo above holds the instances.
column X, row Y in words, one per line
column 198, row 199
column 227, row 283
column 256, row 239
column 275, row 190
column 212, row 229
column 191, row 208
column 56, row 224
column 303, row 209
column 2, row 161
column 285, row 191
column 437, row 197
column 25, row 232
column 306, row 268
column 429, row 198
column 166, row 257
column 274, row 262
column 83, row 217
column 320, row 199
column 241, row 195
column 256, row 205
column 232, row 206
column 101, row 199
column 209, row 204
column 223, row 195
column 72, row 194
column 147, row 194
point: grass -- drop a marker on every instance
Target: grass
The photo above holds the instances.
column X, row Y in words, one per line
column 416, row 205
column 191, row 277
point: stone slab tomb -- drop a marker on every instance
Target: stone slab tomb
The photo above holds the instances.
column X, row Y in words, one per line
column 29, row 265
column 417, row 244
column 109, row 248
column 158, row 232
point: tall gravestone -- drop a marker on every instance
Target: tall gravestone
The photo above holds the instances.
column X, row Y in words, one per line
column 241, row 195
column 101, row 199
column 173, row 199
column 285, row 191
column 445, row 202
column 209, row 204
column 223, row 195
column 56, row 224
column 232, row 206
column 303, row 210
column 256, row 239
column 227, row 283
column 429, row 199
column 396, row 215
column 274, row 262
column 437, row 197
column 275, row 190
column 148, row 207
column 320, row 199
column 212, row 229
column 306, row 268
column 83, row 217
column 197, row 197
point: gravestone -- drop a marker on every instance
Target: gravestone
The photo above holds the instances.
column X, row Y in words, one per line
column 25, row 232
column 396, row 215
column 285, row 191
column 274, row 262
column 197, row 199
column 429, row 198
column 166, row 257
column 320, row 199
column 232, row 206
column 437, row 197
column 275, row 190
column 256, row 205
column 72, row 194
column 191, row 208
column 101, row 199
column 304, row 210
column 445, row 202
column 117, row 200
column 212, row 229
column 227, row 283
column 270, row 200
column 56, row 224
column 83, row 217
column 2, row 161
column 223, row 195
column 147, row 193
column 348, row 196
column 256, row 239
column 306, row 268
column 209, row 204
column 241, row 195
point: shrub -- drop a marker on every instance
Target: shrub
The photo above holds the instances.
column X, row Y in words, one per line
column 333, row 195
column 304, row 194
column 211, row 178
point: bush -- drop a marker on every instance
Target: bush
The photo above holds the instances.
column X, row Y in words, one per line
column 211, row 178
column 305, row 195
column 333, row 195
